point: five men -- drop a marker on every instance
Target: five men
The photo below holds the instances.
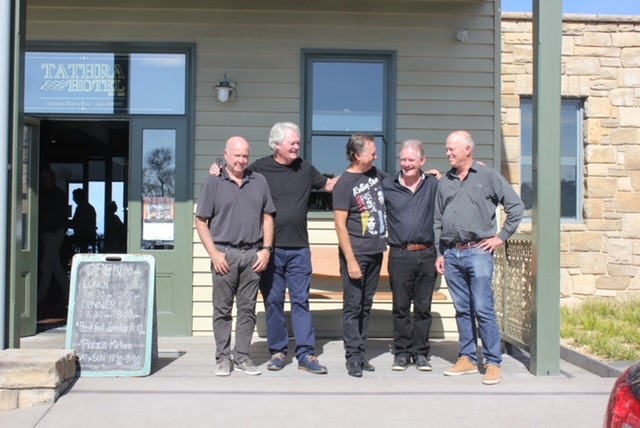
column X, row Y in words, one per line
column 455, row 217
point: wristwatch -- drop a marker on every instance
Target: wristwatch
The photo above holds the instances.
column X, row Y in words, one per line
column 269, row 248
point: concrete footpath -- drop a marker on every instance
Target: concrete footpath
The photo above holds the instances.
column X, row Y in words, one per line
column 183, row 391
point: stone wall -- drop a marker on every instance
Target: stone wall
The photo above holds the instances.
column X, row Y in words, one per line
column 600, row 256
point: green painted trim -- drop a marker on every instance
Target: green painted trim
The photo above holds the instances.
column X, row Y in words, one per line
column 547, row 45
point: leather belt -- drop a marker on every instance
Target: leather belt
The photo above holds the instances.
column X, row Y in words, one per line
column 415, row 247
column 465, row 245
column 241, row 247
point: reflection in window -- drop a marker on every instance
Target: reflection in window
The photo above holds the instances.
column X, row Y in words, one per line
column 570, row 160
column 105, row 83
column 344, row 94
column 158, row 188
column 25, row 188
column 157, row 83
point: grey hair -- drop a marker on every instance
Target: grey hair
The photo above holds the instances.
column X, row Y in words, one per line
column 463, row 137
column 279, row 133
column 356, row 145
column 414, row 144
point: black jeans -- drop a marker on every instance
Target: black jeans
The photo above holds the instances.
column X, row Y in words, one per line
column 412, row 276
column 357, row 300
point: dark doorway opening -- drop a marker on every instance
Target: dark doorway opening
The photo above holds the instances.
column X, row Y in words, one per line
column 90, row 158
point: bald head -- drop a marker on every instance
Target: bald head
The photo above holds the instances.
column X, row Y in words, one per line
column 236, row 154
column 460, row 150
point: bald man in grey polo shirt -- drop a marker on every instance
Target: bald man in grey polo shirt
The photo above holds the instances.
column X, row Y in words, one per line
column 234, row 220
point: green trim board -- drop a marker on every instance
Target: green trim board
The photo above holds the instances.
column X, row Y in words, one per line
column 111, row 323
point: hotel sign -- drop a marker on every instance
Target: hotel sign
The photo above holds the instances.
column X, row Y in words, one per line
column 77, row 83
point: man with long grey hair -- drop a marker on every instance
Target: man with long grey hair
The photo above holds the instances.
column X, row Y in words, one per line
column 291, row 180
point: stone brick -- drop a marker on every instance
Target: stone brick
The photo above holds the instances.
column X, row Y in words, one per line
column 623, row 270
column 583, row 284
column 598, row 107
column 565, row 243
column 635, row 283
column 585, row 65
column 597, row 169
column 566, row 286
column 627, row 39
column 600, row 187
column 631, row 57
column 635, row 180
column 631, row 226
column 601, row 154
column 611, row 62
column 8, row 399
column 629, row 116
column 587, row 241
column 623, row 97
column 628, row 202
column 632, row 158
column 37, row 397
column 603, row 225
column 619, row 251
column 612, row 282
column 593, row 263
column 596, row 39
column 593, row 208
column 595, row 52
column 570, row 260
column 624, row 184
column 623, row 136
column 629, row 78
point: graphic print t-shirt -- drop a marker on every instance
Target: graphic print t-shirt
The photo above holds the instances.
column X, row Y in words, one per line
column 361, row 195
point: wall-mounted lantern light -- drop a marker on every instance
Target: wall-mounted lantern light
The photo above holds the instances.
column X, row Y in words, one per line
column 225, row 90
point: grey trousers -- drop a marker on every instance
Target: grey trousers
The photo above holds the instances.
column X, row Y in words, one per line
column 242, row 283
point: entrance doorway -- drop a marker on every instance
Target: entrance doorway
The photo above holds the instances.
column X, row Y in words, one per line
column 90, row 158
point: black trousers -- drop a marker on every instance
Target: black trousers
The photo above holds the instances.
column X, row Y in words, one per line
column 412, row 276
column 357, row 300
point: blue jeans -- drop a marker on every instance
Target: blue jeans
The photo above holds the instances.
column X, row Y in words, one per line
column 357, row 301
column 289, row 268
column 469, row 274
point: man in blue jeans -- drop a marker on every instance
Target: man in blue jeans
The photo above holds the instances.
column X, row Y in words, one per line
column 465, row 231
column 290, row 179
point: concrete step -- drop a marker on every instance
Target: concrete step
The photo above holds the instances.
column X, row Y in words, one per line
column 31, row 377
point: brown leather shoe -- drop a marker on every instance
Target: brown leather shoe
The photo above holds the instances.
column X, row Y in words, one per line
column 493, row 375
column 463, row 366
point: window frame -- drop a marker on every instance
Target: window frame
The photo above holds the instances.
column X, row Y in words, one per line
column 388, row 58
column 578, row 104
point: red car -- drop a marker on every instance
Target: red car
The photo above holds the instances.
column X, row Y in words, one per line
column 623, row 410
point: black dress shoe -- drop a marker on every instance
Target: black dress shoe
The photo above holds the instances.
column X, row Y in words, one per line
column 354, row 368
column 367, row 367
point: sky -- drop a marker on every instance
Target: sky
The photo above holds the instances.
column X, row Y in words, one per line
column 599, row 7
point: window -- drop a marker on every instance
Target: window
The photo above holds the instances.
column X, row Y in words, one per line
column 105, row 83
column 570, row 161
column 344, row 93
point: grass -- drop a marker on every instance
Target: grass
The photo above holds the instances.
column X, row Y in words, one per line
column 609, row 330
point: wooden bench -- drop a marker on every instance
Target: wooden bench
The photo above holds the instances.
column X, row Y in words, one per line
column 324, row 260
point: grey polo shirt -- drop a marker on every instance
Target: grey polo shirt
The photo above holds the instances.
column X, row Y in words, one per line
column 235, row 212
column 465, row 211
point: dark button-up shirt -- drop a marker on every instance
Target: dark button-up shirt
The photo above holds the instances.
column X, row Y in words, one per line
column 409, row 214
column 466, row 210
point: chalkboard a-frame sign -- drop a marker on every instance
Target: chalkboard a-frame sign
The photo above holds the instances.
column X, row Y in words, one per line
column 111, row 321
